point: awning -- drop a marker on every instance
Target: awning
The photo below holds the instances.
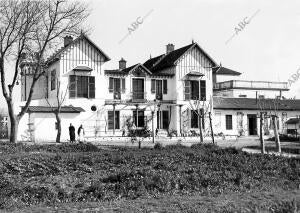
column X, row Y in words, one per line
column 293, row 121
column 83, row 68
column 193, row 75
column 46, row 109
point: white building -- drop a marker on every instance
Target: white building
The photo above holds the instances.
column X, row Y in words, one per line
column 167, row 87
column 238, row 103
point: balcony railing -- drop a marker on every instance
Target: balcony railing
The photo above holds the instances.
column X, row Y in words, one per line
column 138, row 96
column 239, row 84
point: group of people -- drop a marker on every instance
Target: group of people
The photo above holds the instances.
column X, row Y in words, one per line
column 80, row 133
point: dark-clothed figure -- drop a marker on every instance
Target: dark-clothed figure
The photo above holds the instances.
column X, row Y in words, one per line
column 72, row 133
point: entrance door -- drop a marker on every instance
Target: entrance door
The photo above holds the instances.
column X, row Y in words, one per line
column 163, row 119
column 252, row 124
column 138, row 88
column 159, row 93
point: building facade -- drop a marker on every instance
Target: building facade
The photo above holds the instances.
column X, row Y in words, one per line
column 165, row 94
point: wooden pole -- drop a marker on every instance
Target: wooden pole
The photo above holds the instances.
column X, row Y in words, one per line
column 277, row 139
column 211, row 128
column 200, row 124
column 153, row 131
column 114, row 119
column 180, row 122
column 261, row 133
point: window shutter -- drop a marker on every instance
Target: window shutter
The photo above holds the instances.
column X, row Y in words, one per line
column 91, row 87
column 123, row 85
column 152, row 85
column 110, row 119
column 111, row 85
column 203, row 90
column 72, row 86
column 117, row 119
column 187, row 90
column 165, row 85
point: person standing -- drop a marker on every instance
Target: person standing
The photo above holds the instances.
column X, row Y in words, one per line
column 72, row 133
column 80, row 134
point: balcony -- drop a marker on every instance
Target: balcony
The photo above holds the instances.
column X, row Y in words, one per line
column 138, row 96
column 254, row 85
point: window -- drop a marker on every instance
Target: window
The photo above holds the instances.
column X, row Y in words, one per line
column 159, row 86
column 52, row 80
column 138, row 89
column 81, row 86
column 243, row 96
column 111, row 119
column 116, row 85
column 228, row 122
column 138, row 118
column 194, row 119
column 195, row 90
column 202, row 90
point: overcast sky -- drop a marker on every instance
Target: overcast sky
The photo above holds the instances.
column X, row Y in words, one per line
column 266, row 49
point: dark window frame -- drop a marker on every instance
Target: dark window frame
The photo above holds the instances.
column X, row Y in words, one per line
column 53, row 80
column 112, row 88
column 228, row 122
column 81, row 86
column 141, row 118
column 110, row 115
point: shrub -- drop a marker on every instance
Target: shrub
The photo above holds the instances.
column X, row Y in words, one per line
column 158, row 146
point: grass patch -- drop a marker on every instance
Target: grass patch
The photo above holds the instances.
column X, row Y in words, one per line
column 288, row 150
column 84, row 173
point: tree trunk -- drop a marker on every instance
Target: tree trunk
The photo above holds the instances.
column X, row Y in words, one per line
column 14, row 122
column 261, row 134
column 211, row 128
column 277, row 140
column 58, row 121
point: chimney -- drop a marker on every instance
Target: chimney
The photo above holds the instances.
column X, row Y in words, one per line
column 122, row 64
column 170, row 48
column 67, row 40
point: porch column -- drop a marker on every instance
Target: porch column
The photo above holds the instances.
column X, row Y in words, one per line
column 180, row 124
column 159, row 117
column 153, row 131
column 114, row 118
column 137, row 115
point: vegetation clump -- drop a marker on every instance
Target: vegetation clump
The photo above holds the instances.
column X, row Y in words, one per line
column 83, row 173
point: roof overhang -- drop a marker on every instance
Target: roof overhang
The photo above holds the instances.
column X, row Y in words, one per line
column 225, row 71
column 293, row 121
column 47, row 109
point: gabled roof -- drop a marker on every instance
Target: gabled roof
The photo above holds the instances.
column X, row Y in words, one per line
column 256, row 104
column 57, row 54
column 127, row 70
column 168, row 60
column 47, row 109
column 225, row 71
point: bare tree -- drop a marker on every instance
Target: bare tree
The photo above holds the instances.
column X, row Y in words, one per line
column 32, row 27
column 203, row 110
column 56, row 108
column 269, row 109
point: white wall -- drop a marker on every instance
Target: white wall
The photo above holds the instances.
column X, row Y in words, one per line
column 220, row 123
